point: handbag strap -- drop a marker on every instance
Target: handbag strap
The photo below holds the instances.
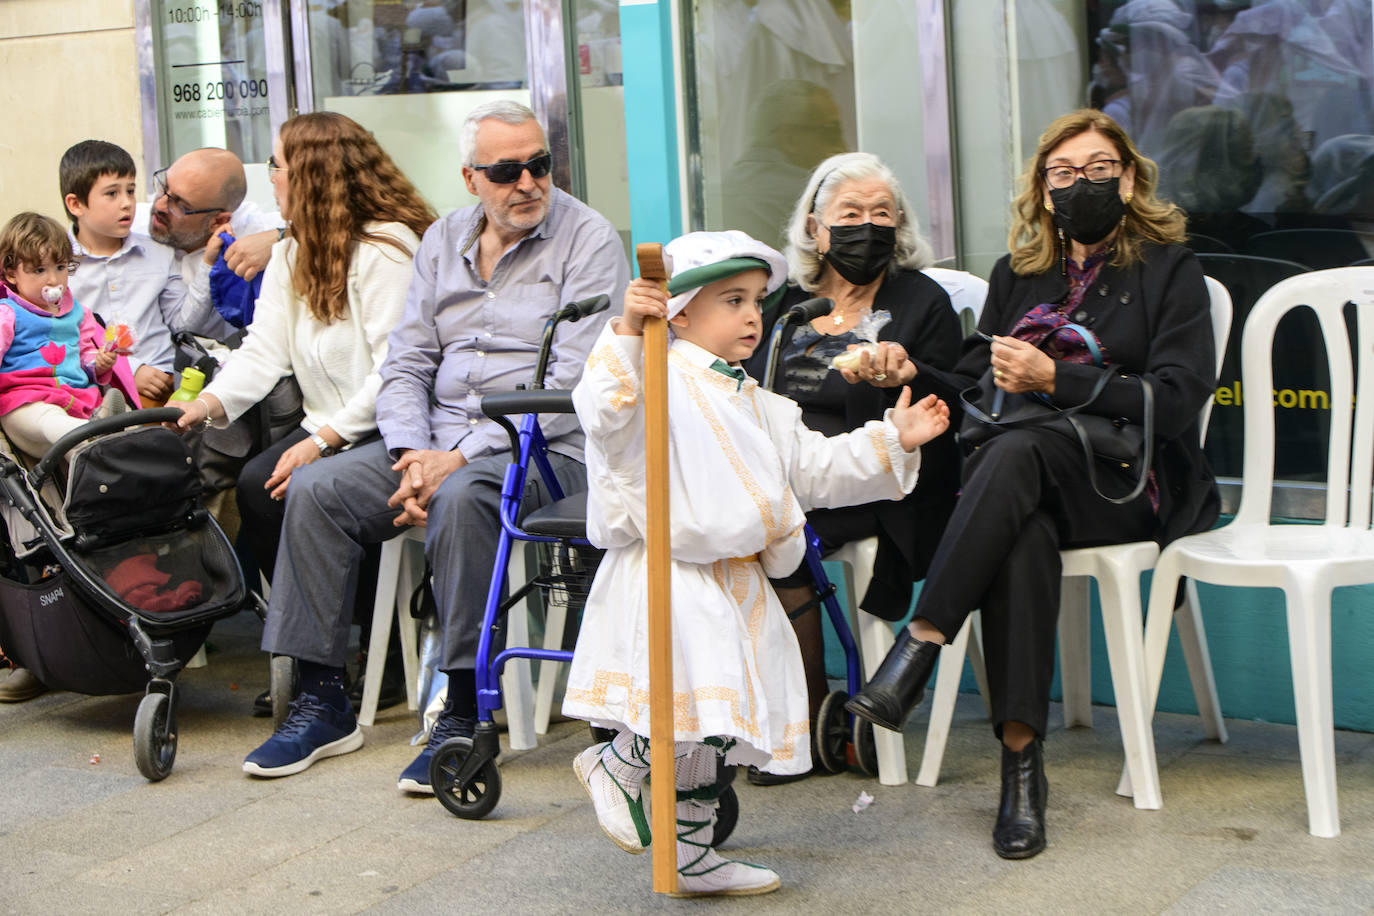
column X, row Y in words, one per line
column 1039, row 419
column 1147, row 394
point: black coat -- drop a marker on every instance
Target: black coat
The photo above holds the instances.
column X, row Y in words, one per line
column 924, row 322
column 1153, row 318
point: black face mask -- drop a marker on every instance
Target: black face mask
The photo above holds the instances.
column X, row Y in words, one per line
column 861, row 253
column 1088, row 211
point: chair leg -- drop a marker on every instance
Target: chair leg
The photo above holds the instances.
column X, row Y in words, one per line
column 383, row 606
column 976, row 662
column 517, row 694
column 1309, row 641
column 1075, row 652
column 407, row 580
column 947, row 679
column 875, row 638
column 1193, row 638
column 1126, row 655
column 550, row 673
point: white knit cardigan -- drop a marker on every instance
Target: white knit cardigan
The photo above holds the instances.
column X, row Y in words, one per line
column 337, row 365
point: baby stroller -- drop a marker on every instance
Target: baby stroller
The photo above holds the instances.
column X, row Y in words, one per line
column 117, row 589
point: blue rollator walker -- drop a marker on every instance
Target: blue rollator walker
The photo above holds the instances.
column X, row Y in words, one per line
column 839, row 739
column 463, row 772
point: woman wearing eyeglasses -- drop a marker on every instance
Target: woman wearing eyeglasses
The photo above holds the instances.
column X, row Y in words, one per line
column 1091, row 246
column 331, row 293
column 853, row 238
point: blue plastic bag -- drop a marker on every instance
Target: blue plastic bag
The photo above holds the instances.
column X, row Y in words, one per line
column 232, row 296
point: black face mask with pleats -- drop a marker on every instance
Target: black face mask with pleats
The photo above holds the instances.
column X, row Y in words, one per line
column 1088, row 211
column 861, row 253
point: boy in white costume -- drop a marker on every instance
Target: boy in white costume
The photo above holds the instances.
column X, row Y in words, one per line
column 744, row 470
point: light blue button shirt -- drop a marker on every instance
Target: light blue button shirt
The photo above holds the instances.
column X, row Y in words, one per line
column 461, row 338
column 139, row 285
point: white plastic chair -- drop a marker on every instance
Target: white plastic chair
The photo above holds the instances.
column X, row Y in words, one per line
column 399, row 571
column 1306, row 561
column 401, row 565
column 966, row 291
column 1117, row 569
column 874, row 637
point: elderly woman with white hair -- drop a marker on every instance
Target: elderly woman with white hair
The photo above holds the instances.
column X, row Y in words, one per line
column 852, row 238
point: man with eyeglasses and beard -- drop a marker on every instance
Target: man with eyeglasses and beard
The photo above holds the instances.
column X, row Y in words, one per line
column 200, row 196
column 487, row 277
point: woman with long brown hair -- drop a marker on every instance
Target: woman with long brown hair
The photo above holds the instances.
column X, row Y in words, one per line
column 331, row 293
column 1092, row 249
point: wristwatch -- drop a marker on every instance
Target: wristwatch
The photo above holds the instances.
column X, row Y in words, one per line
column 325, row 448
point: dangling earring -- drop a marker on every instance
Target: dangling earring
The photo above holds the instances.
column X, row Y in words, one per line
column 1063, row 256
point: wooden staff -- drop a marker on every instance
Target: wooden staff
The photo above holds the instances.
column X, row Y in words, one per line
column 662, row 778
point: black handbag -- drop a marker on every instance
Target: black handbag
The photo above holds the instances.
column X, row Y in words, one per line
column 989, row 411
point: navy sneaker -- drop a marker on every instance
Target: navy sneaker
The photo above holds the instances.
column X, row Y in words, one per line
column 312, row 731
column 415, row 778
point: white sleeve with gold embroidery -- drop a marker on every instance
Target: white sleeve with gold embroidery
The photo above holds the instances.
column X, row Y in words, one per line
column 608, row 397
column 862, row 466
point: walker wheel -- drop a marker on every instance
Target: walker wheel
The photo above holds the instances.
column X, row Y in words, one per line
column 727, row 816
column 155, row 744
column 473, row 799
column 831, row 735
column 865, row 748
column 281, row 687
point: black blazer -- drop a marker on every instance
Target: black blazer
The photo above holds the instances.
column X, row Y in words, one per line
column 1153, row 319
column 924, row 322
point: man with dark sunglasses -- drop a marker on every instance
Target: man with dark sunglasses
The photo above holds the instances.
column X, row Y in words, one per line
column 487, row 277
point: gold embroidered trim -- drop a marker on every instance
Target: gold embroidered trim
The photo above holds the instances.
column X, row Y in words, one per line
column 606, row 357
column 877, row 436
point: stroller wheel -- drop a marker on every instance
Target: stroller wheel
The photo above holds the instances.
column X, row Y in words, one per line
column 831, row 734
column 473, row 796
column 155, row 744
column 727, row 816
column 865, row 748
column 282, row 687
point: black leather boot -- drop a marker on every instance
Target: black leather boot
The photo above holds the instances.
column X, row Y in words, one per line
column 1020, row 830
column 899, row 684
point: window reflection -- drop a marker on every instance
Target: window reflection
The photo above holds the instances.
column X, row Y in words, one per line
column 387, row 47
column 774, row 97
column 1261, row 117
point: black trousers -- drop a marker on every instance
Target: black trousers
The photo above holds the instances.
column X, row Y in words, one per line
column 261, row 514
column 1025, row 497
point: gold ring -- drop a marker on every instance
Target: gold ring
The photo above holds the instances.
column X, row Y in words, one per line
column 996, row 373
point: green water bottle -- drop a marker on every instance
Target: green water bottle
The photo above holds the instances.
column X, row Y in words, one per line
column 192, row 380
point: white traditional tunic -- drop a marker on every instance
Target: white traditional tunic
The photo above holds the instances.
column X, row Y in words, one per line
column 744, row 470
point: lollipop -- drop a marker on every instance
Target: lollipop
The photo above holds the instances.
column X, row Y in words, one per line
column 119, row 339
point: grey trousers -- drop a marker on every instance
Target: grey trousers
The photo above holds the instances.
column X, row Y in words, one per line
column 335, row 507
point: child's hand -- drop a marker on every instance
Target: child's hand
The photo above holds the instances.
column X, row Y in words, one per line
column 105, row 360
column 918, row 423
column 643, row 299
column 153, row 384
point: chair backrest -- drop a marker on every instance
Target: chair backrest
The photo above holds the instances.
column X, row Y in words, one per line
column 966, row 293
column 1318, row 248
column 1205, row 243
column 1221, row 312
column 1349, row 470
